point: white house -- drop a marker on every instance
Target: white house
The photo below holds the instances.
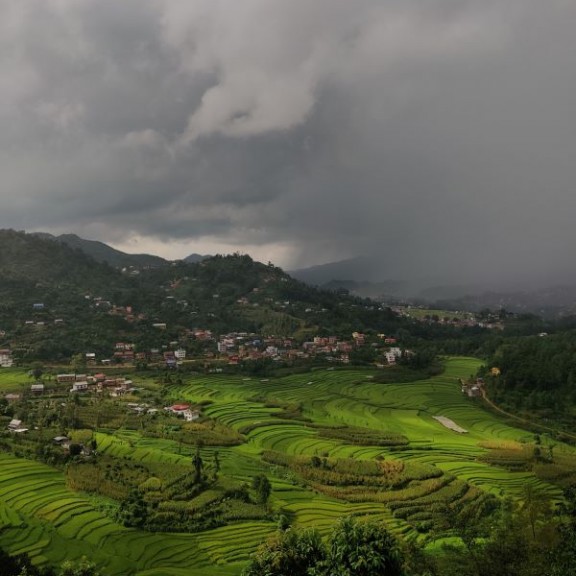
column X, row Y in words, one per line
column 392, row 355
column 16, row 426
column 79, row 387
column 180, row 354
column 6, row 359
column 191, row 415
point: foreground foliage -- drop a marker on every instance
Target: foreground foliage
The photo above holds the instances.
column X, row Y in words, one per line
column 354, row 549
column 521, row 540
column 20, row 565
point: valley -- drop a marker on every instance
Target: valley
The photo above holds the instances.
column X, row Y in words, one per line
column 331, row 443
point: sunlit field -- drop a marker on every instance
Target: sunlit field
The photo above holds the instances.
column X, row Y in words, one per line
column 332, row 443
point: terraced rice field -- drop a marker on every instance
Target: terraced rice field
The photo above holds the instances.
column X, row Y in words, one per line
column 39, row 515
column 14, row 379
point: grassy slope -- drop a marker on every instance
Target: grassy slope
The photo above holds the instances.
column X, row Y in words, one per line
column 14, row 380
column 41, row 516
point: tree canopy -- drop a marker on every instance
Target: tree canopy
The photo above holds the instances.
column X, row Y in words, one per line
column 355, row 548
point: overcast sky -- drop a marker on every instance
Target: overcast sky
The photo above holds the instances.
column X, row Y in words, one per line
column 439, row 135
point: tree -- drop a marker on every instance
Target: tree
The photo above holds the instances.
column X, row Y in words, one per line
column 363, row 549
column 37, row 370
column 355, row 549
column 288, row 553
column 510, row 548
column 81, row 568
column 75, row 449
column 78, row 362
column 535, row 508
column 133, row 512
column 216, row 465
column 564, row 555
column 263, row 488
column 198, row 464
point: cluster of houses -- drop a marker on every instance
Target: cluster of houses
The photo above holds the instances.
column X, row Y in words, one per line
column 79, row 383
column 235, row 347
column 15, row 426
column 184, row 411
column 142, row 408
column 232, row 347
column 472, row 388
column 238, row 346
column 180, row 410
column 125, row 353
column 84, row 382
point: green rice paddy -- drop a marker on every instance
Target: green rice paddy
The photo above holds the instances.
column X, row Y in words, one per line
column 41, row 516
column 14, row 380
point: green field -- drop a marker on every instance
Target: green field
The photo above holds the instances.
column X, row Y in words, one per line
column 14, row 380
column 391, row 429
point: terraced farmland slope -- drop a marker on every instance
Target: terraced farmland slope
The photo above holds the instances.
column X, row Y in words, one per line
column 413, row 468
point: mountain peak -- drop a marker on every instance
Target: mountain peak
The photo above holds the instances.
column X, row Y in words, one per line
column 101, row 252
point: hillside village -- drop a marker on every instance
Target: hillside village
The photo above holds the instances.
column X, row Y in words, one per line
column 231, row 348
column 236, row 347
column 197, row 343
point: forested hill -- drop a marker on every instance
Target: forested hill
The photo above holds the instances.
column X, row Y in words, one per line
column 29, row 259
column 104, row 253
column 536, row 375
column 56, row 301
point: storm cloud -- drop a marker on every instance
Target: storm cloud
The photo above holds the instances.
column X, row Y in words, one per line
column 438, row 137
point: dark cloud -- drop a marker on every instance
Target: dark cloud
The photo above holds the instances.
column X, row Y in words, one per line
column 438, row 136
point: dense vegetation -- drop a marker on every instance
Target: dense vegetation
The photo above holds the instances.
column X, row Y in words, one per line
column 353, row 549
column 21, row 565
column 519, row 543
column 536, row 375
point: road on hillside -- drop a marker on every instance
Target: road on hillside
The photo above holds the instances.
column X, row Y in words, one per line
column 523, row 420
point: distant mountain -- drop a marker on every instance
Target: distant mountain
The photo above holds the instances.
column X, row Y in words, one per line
column 361, row 276
column 389, row 291
column 358, row 269
column 103, row 253
column 193, row 258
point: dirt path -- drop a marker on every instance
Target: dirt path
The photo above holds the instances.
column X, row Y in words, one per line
column 524, row 420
